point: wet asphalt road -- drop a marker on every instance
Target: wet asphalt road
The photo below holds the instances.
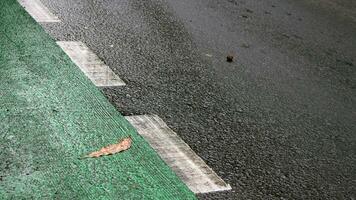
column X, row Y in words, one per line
column 277, row 123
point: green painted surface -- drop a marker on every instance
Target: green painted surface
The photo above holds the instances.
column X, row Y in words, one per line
column 51, row 114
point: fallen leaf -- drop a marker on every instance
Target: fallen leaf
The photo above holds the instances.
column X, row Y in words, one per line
column 112, row 149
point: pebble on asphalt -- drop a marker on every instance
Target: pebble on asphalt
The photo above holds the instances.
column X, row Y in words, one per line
column 229, row 58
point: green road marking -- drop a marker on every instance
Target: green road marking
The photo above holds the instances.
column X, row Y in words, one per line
column 51, row 115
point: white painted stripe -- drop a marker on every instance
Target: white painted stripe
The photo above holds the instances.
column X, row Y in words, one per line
column 95, row 69
column 38, row 11
column 178, row 155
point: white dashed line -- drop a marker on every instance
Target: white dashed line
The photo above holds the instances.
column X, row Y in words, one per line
column 95, row 69
column 38, row 11
column 199, row 177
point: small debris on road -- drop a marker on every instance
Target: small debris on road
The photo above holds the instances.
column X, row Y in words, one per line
column 245, row 45
column 229, row 58
column 208, row 55
column 112, row 149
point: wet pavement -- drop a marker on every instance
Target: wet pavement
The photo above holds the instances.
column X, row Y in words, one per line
column 276, row 123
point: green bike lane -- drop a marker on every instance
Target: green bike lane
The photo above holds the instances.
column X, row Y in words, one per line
column 51, row 114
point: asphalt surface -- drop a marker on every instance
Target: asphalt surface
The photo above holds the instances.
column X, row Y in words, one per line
column 277, row 123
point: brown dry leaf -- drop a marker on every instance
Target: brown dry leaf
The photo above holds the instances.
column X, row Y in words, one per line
column 112, row 149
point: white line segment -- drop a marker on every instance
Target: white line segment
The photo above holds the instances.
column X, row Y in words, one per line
column 199, row 177
column 95, row 69
column 38, row 11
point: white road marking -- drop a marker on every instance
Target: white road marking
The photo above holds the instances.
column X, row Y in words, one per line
column 199, row 177
column 95, row 69
column 38, row 11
